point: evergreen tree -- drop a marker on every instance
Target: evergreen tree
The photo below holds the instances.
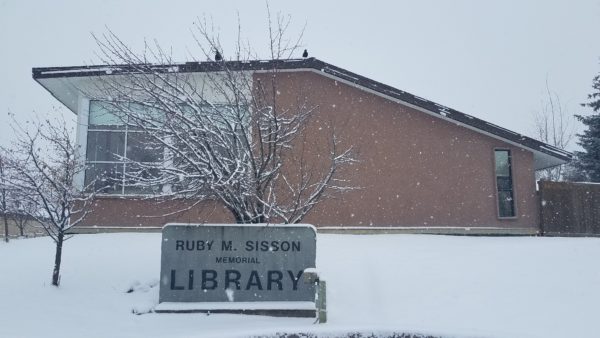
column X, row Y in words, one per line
column 588, row 161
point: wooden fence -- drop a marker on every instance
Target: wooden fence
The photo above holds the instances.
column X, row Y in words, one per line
column 569, row 209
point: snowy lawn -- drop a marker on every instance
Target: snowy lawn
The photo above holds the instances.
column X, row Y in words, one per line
column 443, row 285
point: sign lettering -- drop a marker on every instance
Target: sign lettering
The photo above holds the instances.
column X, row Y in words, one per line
column 241, row 263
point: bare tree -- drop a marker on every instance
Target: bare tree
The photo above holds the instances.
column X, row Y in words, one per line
column 44, row 160
column 4, row 190
column 222, row 134
column 554, row 126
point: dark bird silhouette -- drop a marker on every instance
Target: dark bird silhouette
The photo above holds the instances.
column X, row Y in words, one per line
column 218, row 56
column 305, row 54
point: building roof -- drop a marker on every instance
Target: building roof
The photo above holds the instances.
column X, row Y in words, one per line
column 545, row 155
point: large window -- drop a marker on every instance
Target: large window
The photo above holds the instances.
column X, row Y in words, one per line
column 124, row 159
column 504, row 183
column 111, row 147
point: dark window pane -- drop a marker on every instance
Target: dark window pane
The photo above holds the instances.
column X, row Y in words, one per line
column 504, row 183
column 105, row 145
column 105, row 178
column 506, row 204
column 141, row 147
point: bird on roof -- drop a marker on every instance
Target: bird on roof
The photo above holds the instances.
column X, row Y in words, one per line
column 305, row 54
column 218, row 56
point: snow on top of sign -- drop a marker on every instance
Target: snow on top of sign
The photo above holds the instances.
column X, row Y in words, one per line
column 311, row 270
column 268, row 225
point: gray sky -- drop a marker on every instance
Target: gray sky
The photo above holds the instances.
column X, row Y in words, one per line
column 489, row 59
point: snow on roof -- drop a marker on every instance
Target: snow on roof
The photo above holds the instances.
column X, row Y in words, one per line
column 550, row 155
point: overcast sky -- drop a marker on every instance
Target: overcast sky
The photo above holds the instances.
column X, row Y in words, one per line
column 490, row 59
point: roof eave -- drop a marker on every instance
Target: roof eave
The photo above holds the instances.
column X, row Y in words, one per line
column 430, row 107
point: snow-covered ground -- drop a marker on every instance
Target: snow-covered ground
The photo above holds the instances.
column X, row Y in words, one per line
column 451, row 286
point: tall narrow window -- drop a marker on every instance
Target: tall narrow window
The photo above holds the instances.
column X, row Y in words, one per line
column 504, row 183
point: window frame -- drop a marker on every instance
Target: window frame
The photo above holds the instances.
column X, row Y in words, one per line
column 125, row 130
column 512, row 184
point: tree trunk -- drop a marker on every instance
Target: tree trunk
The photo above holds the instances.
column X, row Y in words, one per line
column 5, row 227
column 57, row 259
column 21, row 231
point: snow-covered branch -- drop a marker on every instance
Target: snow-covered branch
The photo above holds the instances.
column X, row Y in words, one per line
column 221, row 134
column 43, row 162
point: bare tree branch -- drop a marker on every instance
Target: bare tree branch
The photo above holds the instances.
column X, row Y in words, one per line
column 43, row 162
column 553, row 126
column 223, row 134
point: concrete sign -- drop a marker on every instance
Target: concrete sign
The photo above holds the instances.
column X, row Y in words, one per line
column 237, row 263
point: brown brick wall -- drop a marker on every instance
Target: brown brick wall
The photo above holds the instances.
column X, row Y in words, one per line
column 414, row 169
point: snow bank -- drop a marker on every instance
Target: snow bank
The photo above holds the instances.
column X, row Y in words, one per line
column 383, row 284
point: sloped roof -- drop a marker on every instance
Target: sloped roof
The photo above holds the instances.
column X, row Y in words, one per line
column 545, row 155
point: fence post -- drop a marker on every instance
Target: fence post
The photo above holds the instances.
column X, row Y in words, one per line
column 322, row 301
column 541, row 203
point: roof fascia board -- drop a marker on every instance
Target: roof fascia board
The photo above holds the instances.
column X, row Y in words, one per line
column 188, row 67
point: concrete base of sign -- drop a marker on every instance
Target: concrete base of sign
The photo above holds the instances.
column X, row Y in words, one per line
column 274, row 309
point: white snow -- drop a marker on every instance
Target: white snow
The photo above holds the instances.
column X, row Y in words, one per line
column 230, row 294
column 451, row 286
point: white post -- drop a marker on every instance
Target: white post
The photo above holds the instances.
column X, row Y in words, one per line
column 83, row 110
